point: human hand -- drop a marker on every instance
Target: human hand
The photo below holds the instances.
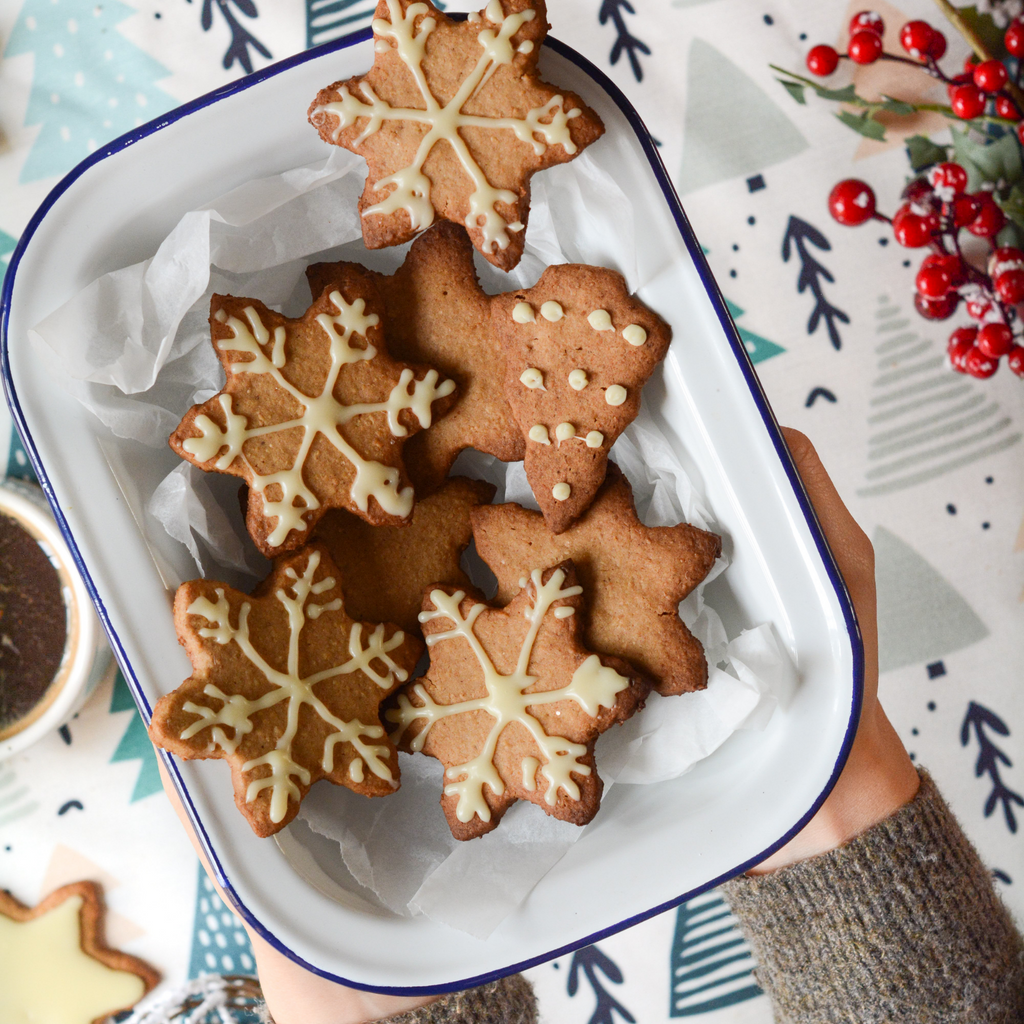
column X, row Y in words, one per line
column 293, row 994
column 879, row 776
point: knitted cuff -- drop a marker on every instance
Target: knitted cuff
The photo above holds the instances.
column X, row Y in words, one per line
column 506, row 1001
column 899, row 925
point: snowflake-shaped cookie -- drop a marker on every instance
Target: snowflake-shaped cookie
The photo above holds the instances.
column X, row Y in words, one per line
column 578, row 350
column 452, row 121
column 314, row 412
column 513, row 703
column 286, row 687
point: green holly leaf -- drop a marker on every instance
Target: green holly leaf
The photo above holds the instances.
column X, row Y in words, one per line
column 1012, row 204
column 795, row 89
column 922, row 152
column 863, row 124
column 897, row 106
column 993, row 160
column 848, row 94
column 985, row 29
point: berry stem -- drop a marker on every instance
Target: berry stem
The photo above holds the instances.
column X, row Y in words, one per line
column 978, row 46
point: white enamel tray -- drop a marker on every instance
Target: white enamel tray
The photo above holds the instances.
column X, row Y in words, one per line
column 650, row 847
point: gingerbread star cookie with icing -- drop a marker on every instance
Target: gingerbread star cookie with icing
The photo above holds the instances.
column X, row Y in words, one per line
column 578, row 349
column 438, row 314
column 634, row 576
column 55, row 965
column 452, row 120
column 513, row 702
column 314, row 412
column 286, row 687
column 385, row 568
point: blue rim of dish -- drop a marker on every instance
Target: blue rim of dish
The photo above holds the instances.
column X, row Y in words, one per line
column 742, row 358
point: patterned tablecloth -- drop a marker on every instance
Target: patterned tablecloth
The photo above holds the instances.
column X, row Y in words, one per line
column 929, row 461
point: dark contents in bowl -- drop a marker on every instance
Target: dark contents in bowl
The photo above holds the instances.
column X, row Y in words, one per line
column 33, row 622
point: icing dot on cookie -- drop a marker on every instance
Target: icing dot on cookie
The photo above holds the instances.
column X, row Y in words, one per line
column 532, row 378
column 561, row 491
column 634, row 334
column 565, row 432
column 221, row 315
column 578, row 380
column 522, row 313
column 601, row 320
column 595, row 439
column 564, row 612
column 615, row 395
column 522, row 582
column 355, row 770
column 526, row 46
column 539, row 433
column 551, row 311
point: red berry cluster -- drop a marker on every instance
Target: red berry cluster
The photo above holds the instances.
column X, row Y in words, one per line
column 970, row 93
column 935, row 208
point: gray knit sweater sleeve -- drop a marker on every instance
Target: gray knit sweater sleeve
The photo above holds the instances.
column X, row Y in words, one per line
column 900, row 925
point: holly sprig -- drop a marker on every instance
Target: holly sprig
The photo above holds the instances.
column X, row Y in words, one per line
column 866, row 123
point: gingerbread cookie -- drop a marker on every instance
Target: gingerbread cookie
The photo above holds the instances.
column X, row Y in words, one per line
column 314, row 412
column 384, row 568
column 578, row 349
column 438, row 314
column 513, row 702
column 634, row 577
column 286, row 687
column 452, row 120
column 55, row 965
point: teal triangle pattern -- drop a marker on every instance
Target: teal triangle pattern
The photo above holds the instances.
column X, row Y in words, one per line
column 135, row 743
column 219, row 942
column 732, row 127
column 100, row 86
column 921, row 617
column 759, row 349
column 7, row 245
column 18, row 465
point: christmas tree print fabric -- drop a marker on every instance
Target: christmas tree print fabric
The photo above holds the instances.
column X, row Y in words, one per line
column 928, row 461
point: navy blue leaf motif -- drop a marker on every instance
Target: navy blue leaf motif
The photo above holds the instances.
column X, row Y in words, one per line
column 625, row 41
column 241, row 37
column 989, row 756
column 798, row 234
column 590, row 961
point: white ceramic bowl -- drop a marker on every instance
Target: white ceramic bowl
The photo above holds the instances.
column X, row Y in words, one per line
column 650, row 847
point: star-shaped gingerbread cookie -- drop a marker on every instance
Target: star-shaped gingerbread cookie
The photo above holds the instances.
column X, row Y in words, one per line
column 286, row 687
column 385, row 568
column 578, row 349
column 513, row 702
column 314, row 412
column 634, row 576
column 452, row 120
column 438, row 314
column 61, row 939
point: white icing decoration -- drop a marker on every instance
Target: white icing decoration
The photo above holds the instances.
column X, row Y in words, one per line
column 564, row 432
column 561, row 491
column 578, row 379
column 552, row 311
column 236, row 711
column 322, row 415
column 532, row 378
column 543, row 126
column 522, row 313
column 530, row 766
column 539, row 434
column 592, row 687
column 615, row 395
column 595, row 439
column 634, row 334
column 600, row 320
column 564, row 612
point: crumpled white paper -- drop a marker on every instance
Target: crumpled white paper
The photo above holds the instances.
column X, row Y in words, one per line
column 133, row 348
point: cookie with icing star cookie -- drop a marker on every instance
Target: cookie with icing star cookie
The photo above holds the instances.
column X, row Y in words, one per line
column 578, row 349
column 314, row 412
column 286, row 687
column 513, row 701
column 453, row 120
column 438, row 314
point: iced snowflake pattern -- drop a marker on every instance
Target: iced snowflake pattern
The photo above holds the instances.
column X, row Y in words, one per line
column 321, row 415
column 369, row 653
column 592, row 687
column 542, row 127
